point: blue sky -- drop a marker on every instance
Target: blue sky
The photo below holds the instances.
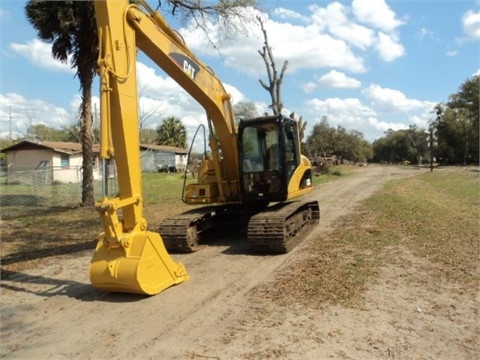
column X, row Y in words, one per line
column 368, row 65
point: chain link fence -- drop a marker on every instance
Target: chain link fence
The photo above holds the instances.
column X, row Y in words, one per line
column 31, row 190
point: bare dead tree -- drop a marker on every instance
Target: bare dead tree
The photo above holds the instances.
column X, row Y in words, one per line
column 245, row 110
column 145, row 113
column 275, row 80
column 225, row 9
column 302, row 125
column 230, row 14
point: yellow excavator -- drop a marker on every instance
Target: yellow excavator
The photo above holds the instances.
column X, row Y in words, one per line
column 253, row 172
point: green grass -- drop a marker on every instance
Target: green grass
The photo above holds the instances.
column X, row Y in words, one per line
column 438, row 218
column 433, row 216
column 333, row 174
column 157, row 187
column 162, row 187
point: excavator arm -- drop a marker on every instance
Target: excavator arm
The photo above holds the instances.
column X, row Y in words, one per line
column 128, row 258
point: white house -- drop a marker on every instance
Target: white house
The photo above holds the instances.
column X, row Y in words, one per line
column 47, row 162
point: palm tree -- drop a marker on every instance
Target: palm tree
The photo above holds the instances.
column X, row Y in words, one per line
column 172, row 132
column 71, row 29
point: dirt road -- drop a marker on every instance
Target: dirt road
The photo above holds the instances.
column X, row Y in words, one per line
column 53, row 312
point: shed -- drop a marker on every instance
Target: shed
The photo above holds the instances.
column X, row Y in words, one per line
column 163, row 158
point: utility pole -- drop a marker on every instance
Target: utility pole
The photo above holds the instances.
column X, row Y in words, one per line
column 432, row 141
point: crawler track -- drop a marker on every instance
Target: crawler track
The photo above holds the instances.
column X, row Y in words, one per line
column 183, row 232
column 277, row 229
column 281, row 227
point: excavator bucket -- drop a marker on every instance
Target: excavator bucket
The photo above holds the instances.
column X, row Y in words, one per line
column 139, row 265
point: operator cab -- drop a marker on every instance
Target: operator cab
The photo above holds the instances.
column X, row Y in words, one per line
column 269, row 154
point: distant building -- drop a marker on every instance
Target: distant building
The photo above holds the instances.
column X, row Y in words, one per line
column 49, row 162
column 46, row 162
column 163, row 158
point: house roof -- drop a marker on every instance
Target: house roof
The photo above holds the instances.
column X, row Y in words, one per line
column 56, row 146
column 165, row 148
column 75, row 148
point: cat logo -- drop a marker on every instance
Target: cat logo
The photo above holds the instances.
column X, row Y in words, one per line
column 188, row 66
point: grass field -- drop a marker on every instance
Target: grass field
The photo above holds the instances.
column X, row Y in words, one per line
column 159, row 188
column 434, row 216
column 33, row 230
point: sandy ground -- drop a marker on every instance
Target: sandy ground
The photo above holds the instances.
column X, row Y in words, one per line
column 52, row 312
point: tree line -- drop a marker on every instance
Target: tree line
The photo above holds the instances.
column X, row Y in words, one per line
column 326, row 140
column 455, row 124
column 170, row 131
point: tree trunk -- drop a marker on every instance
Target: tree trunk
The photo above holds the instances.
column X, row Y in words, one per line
column 86, row 134
column 274, row 87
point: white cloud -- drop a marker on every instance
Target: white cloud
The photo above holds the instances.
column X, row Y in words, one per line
column 392, row 101
column 471, row 24
column 337, row 20
column 164, row 90
column 161, row 97
column 283, row 13
column 346, row 110
column 329, row 37
column 76, row 103
column 424, row 33
column 349, row 113
column 18, row 113
column 376, row 13
column 389, row 48
column 304, row 46
column 4, row 14
column 379, row 127
column 336, row 79
column 236, row 95
column 308, row 87
column 387, row 109
column 39, row 53
column 309, row 47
